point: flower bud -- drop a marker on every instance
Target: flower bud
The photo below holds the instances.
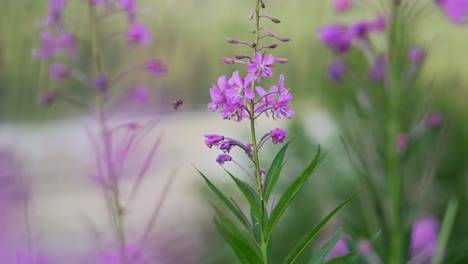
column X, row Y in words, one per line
column 271, row 46
column 342, row 5
column 59, row 71
column 231, row 40
column 228, row 60
column 101, row 83
column 275, row 20
column 282, row 38
column 155, row 67
column 48, row 97
column 281, row 60
column 416, row 55
column 241, row 56
column 336, row 70
column 223, row 158
column 402, row 142
column 434, row 119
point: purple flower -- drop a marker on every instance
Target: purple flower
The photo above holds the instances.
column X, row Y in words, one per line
column 66, row 41
column 47, row 48
column 434, row 119
column 342, row 5
column 59, row 71
column 337, row 37
column 364, row 247
column 379, row 23
column 360, row 29
column 101, row 83
column 416, row 55
column 338, row 250
column 223, row 158
column 155, row 67
column 336, row 70
column 55, row 11
column 235, row 109
column 218, row 94
column 424, row 237
column 213, row 140
column 278, row 135
column 379, row 69
column 455, row 10
column 140, row 94
column 242, row 85
column 226, row 146
column 275, row 101
column 129, row 7
column 48, row 97
column 402, row 142
column 138, row 34
column 261, row 65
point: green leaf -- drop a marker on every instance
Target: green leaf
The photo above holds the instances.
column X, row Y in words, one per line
column 344, row 259
column 273, row 173
column 290, row 194
column 256, row 226
column 447, row 224
column 309, row 236
column 248, row 193
column 239, row 215
column 236, row 240
column 322, row 254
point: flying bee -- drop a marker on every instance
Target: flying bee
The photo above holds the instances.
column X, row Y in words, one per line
column 177, row 104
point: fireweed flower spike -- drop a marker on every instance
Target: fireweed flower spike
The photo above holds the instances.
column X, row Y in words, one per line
column 393, row 65
column 114, row 142
column 243, row 96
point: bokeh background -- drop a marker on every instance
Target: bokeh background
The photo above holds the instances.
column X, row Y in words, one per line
column 189, row 37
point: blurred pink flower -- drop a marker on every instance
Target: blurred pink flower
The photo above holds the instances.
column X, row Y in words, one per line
column 138, row 34
column 402, row 142
column 155, row 66
column 140, row 94
column 338, row 250
column 59, row 71
column 434, row 119
column 455, row 10
column 424, row 237
column 341, row 5
column 133, row 254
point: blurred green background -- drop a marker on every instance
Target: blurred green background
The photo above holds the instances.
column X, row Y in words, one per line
column 189, row 36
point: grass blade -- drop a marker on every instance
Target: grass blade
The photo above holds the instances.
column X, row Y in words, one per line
column 447, row 224
column 309, row 236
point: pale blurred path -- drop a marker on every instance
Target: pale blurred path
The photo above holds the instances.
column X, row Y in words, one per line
column 66, row 202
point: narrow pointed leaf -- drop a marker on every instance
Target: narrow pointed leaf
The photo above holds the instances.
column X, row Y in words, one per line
column 229, row 204
column 241, row 246
column 273, row 173
column 256, row 226
column 290, row 194
column 309, row 236
column 344, row 259
column 322, row 254
column 248, row 193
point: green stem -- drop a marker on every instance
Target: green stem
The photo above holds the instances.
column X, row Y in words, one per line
column 258, row 175
column 393, row 160
column 117, row 212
